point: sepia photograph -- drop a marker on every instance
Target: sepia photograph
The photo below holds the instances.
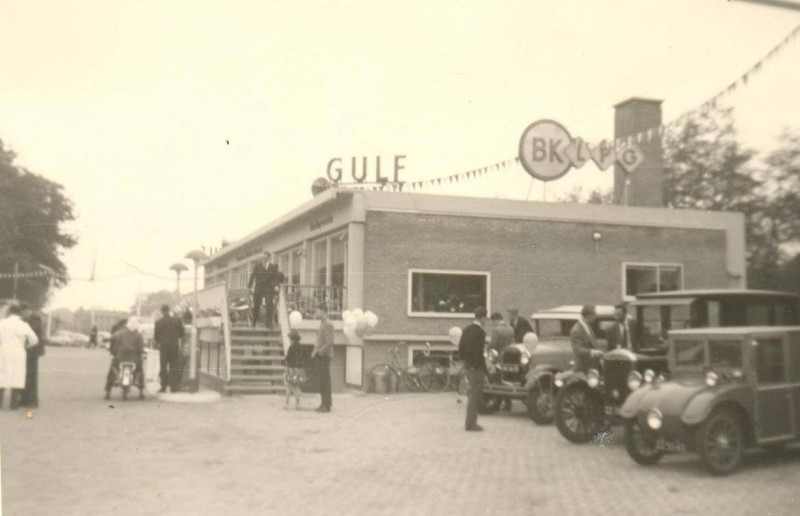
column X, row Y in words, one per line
column 353, row 257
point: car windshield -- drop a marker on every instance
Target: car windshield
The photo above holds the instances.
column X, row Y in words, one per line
column 689, row 352
column 725, row 353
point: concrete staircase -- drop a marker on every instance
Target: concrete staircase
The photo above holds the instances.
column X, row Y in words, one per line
column 256, row 361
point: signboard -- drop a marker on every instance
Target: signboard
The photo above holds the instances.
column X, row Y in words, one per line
column 212, row 320
column 547, row 152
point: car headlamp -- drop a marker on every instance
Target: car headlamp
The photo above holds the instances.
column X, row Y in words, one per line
column 558, row 380
column 493, row 354
column 649, row 375
column 711, row 378
column 524, row 359
column 634, row 380
column 655, row 419
column 593, row 378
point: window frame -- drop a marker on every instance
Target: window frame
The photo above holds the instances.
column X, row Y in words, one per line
column 444, row 272
column 657, row 266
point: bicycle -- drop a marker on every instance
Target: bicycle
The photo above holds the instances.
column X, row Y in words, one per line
column 431, row 376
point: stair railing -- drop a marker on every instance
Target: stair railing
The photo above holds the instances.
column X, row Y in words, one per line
column 283, row 318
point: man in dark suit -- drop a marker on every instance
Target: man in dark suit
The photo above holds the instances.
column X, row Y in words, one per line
column 263, row 281
column 168, row 334
column 584, row 342
column 470, row 349
column 30, row 396
column 520, row 325
column 619, row 335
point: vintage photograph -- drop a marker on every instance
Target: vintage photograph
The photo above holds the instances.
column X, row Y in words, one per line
column 399, row 258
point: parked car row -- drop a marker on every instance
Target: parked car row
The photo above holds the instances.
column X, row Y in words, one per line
column 713, row 371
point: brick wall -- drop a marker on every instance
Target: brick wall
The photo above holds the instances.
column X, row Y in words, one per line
column 533, row 264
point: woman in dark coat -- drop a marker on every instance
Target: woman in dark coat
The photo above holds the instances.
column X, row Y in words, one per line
column 294, row 373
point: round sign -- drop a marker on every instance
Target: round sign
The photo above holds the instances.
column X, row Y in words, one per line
column 542, row 150
column 320, row 185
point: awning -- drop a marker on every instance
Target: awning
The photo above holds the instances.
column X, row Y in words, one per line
column 664, row 301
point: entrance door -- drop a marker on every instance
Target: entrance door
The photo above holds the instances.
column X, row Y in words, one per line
column 774, row 403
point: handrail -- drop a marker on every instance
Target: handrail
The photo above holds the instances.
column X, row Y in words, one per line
column 283, row 318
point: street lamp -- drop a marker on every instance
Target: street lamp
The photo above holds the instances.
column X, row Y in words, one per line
column 178, row 267
column 197, row 256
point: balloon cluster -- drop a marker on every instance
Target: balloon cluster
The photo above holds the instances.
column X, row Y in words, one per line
column 455, row 335
column 358, row 323
column 294, row 319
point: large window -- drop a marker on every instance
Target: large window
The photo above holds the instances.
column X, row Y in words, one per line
column 330, row 260
column 447, row 293
column 639, row 278
column 290, row 264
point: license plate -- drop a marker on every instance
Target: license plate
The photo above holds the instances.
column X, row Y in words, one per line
column 509, row 368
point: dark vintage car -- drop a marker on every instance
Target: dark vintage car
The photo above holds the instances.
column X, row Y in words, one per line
column 525, row 371
column 589, row 400
column 729, row 389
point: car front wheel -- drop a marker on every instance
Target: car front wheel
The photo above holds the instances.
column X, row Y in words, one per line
column 642, row 446
column 540, row 404
column 578, row 413
column 720, row 441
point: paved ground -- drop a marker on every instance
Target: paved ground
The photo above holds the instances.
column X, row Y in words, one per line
column 406, row 454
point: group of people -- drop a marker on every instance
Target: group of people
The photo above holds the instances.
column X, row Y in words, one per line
column 21, row 344
column 319, row 362
column 583, row 338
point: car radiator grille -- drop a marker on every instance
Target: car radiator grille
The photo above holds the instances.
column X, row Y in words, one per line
column 509, row 365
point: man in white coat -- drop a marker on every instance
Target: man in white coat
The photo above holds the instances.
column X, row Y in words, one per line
column 15, row 336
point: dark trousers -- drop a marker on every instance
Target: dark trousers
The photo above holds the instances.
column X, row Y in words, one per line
column 476, row 378
column 323, row 366
column 30, row 397
column 16, row 396
column 269, row 307
column 138, row 375
column 170, row 374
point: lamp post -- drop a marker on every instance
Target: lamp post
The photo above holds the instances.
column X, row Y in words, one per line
column 197, row 256
column 178, row 267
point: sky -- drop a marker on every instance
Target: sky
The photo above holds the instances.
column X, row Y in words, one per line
column 174, row 125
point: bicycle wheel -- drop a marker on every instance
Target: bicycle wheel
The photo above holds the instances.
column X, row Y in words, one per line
column 434, row 377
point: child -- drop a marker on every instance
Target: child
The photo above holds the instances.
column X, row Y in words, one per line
column 295, row 373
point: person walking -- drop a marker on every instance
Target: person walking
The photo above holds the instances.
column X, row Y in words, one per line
column 322, row 353
column 294, row 374
column 93, row 337
column 470, row 349
column 619, row 335
column 127, row 346
column 584, row 342
column 30, row 396
column 520, row 325
column 15, row 337
column 169, row 334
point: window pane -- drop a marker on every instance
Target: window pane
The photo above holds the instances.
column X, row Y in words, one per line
column 297, row 264
column 725, row 353
column 650, row 326
column 714, row 320
column 757, row 315
column 337, row 260
column 442, row 292
column 769, row 361
column 670, row 276
column 549, row 328
column 640, row 279
column 320, row 259
column 689, row 352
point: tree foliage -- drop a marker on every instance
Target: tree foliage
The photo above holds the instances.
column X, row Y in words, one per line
column 33, row 211
column 151, row 303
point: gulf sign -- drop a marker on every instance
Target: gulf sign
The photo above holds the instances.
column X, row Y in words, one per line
column 547, row 152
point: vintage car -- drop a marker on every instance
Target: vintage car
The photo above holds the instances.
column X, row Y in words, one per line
column 729, row 389
column 589, row 400
column 525, row 371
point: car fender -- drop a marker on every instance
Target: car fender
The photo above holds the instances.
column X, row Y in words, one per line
column 634, row 401
column 698, row 409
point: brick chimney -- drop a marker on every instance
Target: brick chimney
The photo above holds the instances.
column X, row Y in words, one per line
column 646, row 186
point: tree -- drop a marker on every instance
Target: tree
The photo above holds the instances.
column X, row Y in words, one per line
column 152, row 302
column 33, row 211
column 596, row 196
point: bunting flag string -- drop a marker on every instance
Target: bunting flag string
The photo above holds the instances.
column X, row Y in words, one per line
column 649, row 134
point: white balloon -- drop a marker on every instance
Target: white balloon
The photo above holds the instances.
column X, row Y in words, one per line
column 349, row 332
column 358, row 313
column 372, row 319
column 530, row 339
column 455, row 335
column 347, row 315
column 295, row 318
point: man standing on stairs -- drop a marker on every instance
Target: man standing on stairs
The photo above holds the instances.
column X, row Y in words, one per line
column 263, row 281
column 321, row 356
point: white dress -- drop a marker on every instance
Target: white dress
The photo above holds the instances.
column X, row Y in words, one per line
column 15, row 336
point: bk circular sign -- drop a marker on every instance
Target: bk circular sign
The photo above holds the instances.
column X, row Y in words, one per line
column 542, row 150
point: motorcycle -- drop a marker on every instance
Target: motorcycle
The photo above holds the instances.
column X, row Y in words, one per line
column 125, row 375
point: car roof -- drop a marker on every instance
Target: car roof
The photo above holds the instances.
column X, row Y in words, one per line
column 571, row 312
column 715, row 292
column 734, row 330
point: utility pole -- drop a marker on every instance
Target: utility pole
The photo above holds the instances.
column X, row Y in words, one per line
column 16, row 280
